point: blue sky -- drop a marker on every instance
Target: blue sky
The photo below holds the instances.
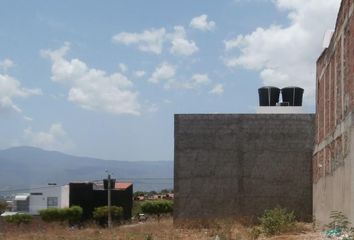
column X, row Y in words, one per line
column 104, row 78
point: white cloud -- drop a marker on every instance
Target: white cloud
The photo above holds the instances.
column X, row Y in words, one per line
column 55, row 138
column 6, row 64
column 153, row 108
column 196, row 81
column 218, row 89
column 153, row 41
column 90, row 88
column 123, row 67
column 164, row 71
column 148, row 41
column 28, row 119
column 140, row 73
column 180, row 44
column 201, row 23
column 10, row 88
column 286, row 55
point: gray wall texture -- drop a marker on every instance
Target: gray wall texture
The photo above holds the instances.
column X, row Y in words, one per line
column 238, row 165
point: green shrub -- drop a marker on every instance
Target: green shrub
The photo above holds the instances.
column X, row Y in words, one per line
column 3, row 206
column 339, row 227
column 19, row 218
column 339, row 220
column 157, row 207
column 72, row 215
column 255, row 232
column 52, row 215
column 277, row 220
column 100, row 214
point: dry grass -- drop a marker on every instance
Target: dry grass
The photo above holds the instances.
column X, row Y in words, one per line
column 158, row 230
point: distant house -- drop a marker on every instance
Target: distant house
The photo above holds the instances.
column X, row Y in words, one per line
column 49, row 197
column 87, row 195
column 90, row 195
column 21, row 202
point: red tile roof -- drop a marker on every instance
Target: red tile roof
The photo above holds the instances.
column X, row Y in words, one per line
column 122, row 185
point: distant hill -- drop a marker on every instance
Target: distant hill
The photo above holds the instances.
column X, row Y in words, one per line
column 23, row 167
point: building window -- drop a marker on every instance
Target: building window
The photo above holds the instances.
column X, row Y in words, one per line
column 52, row 202
column 36, row 194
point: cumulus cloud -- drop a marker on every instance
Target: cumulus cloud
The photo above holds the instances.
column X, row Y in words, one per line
column 164, row 71
column 6, row 64
column 123, row 67
column 196, row 81
column 148, row 41
column 286, row 55
column 153, row 108
column 10, row 88
column 180, row 44
column 218, row 89
column 139, row 73
column 90, row 88
column 55, row 138
column 153, row 41
column 201, row 23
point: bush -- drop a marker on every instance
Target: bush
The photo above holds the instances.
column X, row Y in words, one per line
column 157, row 207
column 52, row 215
column 100, row 214
column 19, row 218
column 277, row 220
column 72, row 215
column 3, row 206
column 339, row 227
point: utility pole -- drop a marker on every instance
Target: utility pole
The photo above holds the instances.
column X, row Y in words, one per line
column 109, row 200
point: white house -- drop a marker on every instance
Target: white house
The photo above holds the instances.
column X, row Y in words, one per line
column 47, row 197
column 42, row 198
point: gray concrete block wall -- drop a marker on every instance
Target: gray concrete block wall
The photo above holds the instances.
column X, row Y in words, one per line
column 230, row 165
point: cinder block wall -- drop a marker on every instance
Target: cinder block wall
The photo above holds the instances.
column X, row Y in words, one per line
column 232, row 165
column 333, row 154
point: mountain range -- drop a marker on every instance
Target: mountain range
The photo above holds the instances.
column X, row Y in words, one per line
column 28, row 167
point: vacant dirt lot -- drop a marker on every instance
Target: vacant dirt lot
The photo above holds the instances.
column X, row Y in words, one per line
column 157, row 230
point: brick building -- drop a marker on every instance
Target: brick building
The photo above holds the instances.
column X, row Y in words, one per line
column 333, row 164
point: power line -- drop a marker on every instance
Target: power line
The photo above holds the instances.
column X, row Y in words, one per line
column 52, row 186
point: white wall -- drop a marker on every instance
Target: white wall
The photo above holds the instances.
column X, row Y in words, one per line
column 64, row 196
column 39, row 202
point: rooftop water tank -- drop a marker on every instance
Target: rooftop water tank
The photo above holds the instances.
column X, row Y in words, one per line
column 268, row 96
column 292, row 95
column 105, row 183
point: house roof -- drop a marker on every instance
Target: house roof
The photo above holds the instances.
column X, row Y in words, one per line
column 122, row 185
column 21, row 197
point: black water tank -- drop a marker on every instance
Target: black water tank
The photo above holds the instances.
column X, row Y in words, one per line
column 268, row 96
column 105, row 183
column 292, row 95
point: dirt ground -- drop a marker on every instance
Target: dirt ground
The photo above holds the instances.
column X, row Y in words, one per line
column 140, row 231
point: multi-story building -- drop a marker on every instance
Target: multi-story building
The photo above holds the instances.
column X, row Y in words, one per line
column 333, row 159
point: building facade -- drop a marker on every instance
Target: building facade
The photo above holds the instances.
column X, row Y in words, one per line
column 333, row 164
column 238, row 165
column 90, row 195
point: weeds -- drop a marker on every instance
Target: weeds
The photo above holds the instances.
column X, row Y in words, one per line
column 339, row 228
column 277, row 220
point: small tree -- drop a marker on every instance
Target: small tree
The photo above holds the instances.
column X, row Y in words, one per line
column 138, row 193
column 19, row 218
column 157, row 207
column 100, row 214
column 3, row 206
